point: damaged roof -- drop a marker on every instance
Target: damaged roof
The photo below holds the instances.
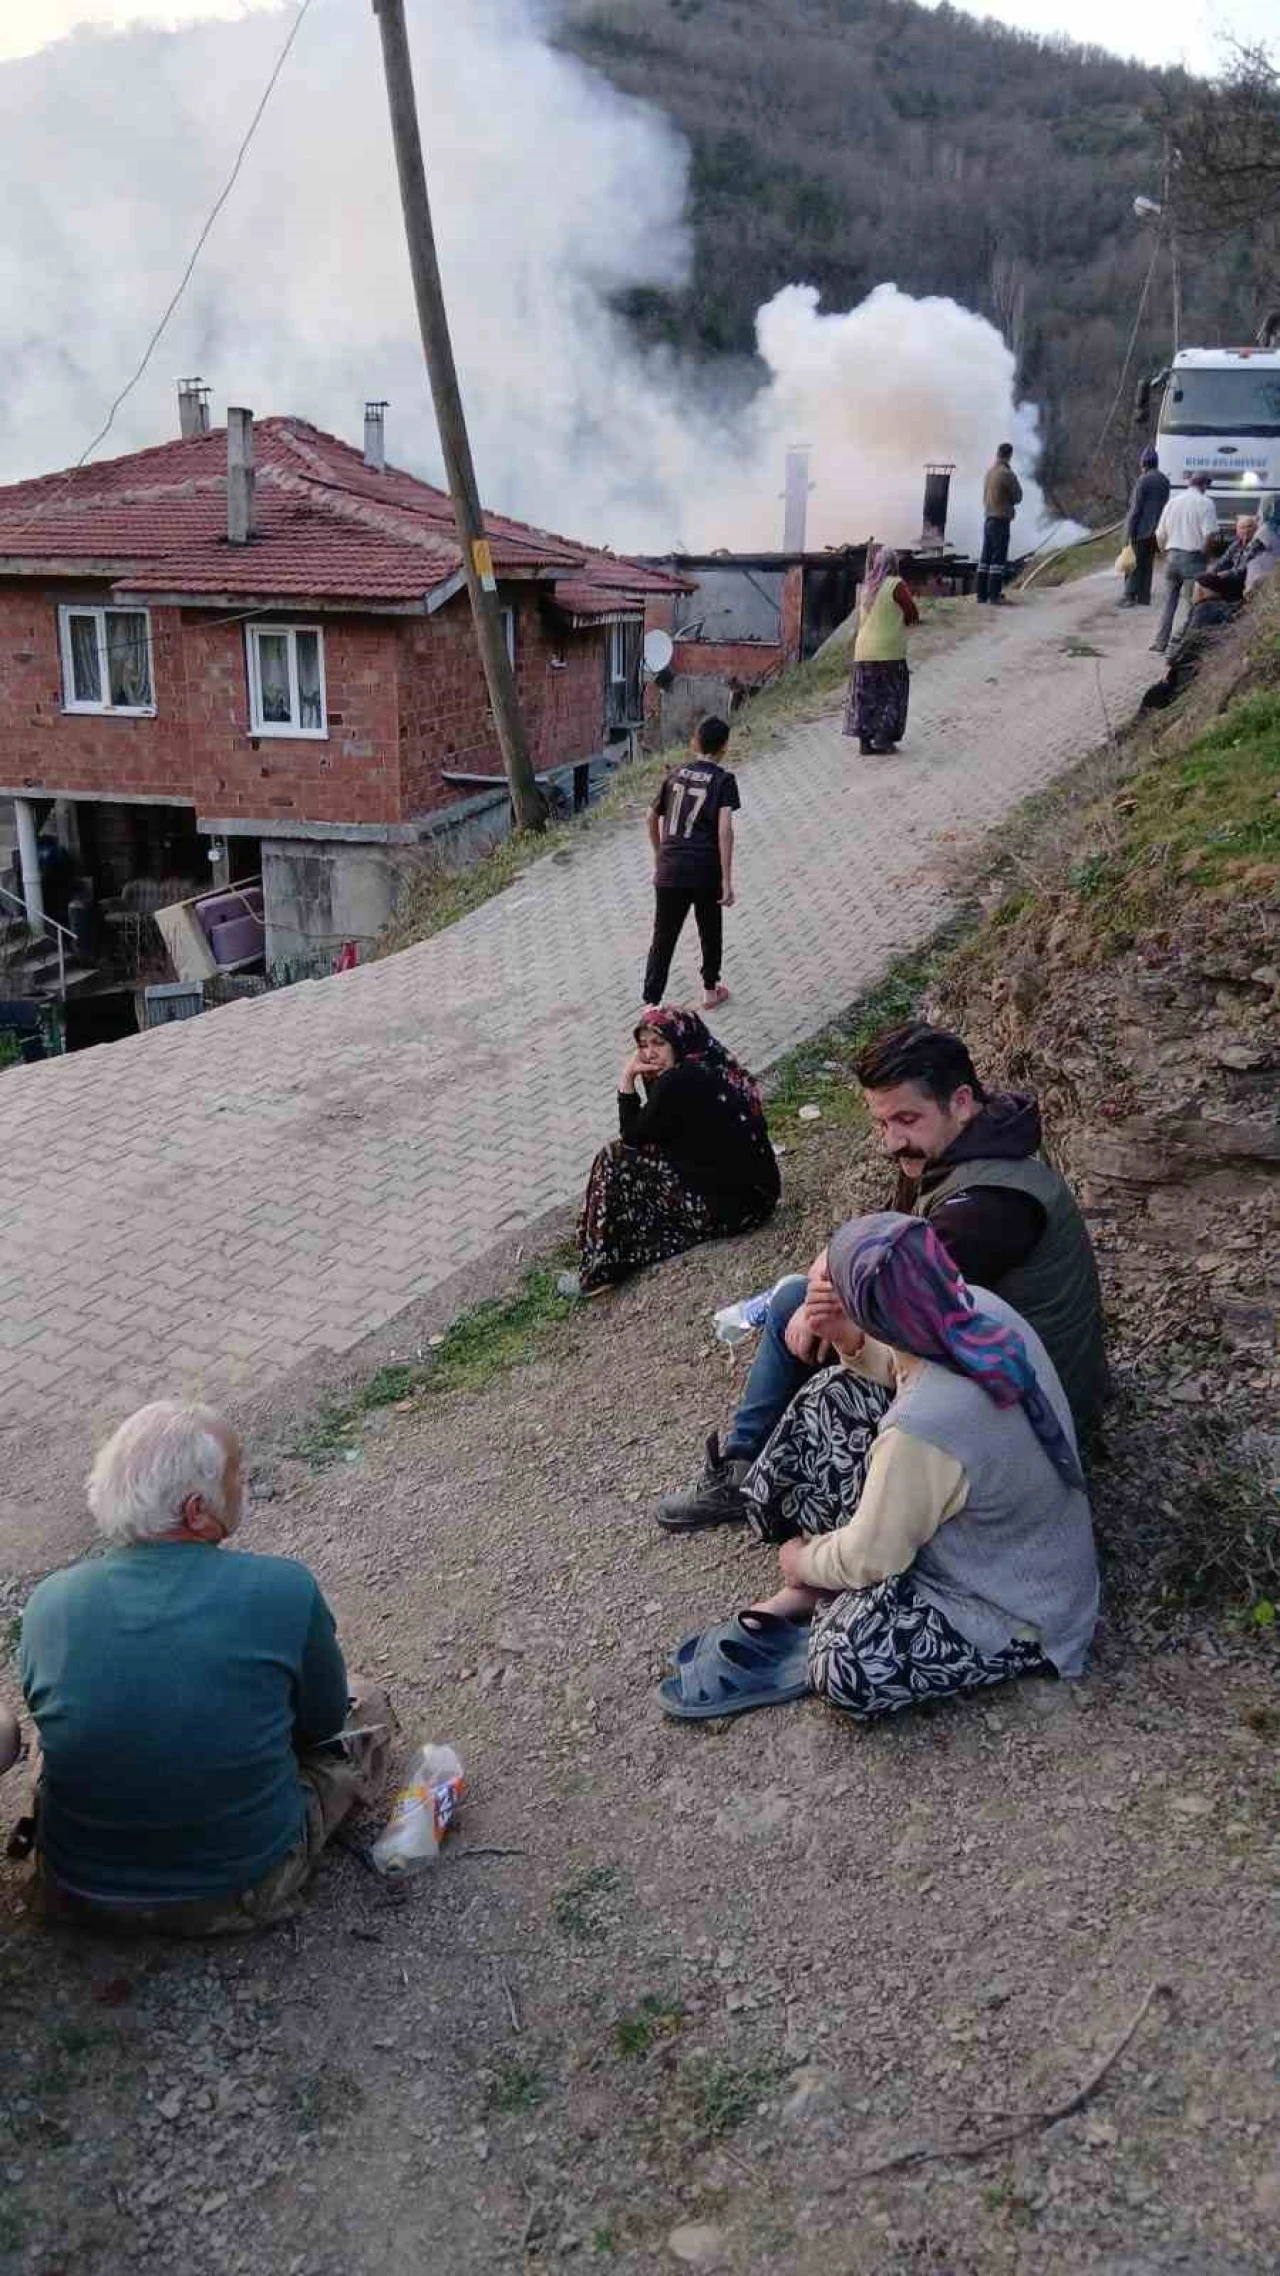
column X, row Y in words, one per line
column 326, row 528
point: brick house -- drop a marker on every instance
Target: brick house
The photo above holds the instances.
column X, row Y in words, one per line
column 249, row 652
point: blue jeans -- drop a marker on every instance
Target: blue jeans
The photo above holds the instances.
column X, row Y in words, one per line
column 776, row 1375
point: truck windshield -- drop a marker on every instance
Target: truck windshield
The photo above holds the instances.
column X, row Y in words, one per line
column 1245, row 401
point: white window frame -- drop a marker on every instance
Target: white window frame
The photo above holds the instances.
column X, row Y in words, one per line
column 618, row 651
column 257, row 724
column 508, row 615
column 104, row 707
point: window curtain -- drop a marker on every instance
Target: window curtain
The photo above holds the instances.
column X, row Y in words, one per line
column 128, row 659
column 86, row 679
column 273, row 678
column 310, row 707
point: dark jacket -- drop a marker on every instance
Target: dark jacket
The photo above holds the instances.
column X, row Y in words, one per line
column 1054, row 1282
column 719, row 1149
column 1150, row 497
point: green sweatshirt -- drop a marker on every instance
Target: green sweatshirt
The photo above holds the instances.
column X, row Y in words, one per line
column 171, row 1684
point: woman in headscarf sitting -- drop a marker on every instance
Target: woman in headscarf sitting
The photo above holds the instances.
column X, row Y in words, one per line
column 693, row 1159
column 969, row 1558
column 876, row 712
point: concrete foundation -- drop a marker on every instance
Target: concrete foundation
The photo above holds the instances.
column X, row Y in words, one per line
column 317, row 895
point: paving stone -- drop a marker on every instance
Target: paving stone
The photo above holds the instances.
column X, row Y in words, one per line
column 277, row 1178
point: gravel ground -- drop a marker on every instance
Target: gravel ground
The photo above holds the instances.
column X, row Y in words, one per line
column 672, row 1989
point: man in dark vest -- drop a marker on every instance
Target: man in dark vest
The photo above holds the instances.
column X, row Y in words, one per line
column 970, row 1163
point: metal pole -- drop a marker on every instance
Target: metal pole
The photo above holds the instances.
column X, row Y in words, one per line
column 528, row 803
column 29, row 858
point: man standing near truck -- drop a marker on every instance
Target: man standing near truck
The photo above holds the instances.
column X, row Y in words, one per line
column 1001, row 498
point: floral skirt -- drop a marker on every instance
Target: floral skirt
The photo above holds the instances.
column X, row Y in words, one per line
column 808, row 1478
column 873, row 1651
column 638, row 1210
column 876, row 712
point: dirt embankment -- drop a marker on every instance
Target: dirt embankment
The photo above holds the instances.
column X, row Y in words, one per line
column 676, row 1992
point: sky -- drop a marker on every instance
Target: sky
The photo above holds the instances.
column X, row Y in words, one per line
column 1160, row 31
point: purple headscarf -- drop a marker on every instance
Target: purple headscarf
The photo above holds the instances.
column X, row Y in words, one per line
column 896, row 1282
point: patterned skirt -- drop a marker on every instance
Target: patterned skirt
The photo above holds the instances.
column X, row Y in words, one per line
column 638, row 1210
column 808, row 1479
column 876, row 712
column 873, row 1650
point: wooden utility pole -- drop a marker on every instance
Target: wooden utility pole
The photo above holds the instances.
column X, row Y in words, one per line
column 528, row 803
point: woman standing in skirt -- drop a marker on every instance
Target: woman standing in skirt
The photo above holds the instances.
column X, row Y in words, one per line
column 876, row 712
column 692, row 1162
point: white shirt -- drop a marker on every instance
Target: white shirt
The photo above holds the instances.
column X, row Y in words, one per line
column 1189, row 520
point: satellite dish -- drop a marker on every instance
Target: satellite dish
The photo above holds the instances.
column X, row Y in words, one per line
column 659, row 648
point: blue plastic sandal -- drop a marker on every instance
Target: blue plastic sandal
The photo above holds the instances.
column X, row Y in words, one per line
column 734, row 1667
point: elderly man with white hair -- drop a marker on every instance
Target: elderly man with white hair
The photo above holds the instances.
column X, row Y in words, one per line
column 200, row 1739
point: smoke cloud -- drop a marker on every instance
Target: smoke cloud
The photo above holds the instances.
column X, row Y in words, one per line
column 552, row 195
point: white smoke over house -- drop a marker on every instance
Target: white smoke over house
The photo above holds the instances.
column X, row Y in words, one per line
column 552, row 194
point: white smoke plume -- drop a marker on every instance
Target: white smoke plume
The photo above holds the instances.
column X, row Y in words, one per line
column 552, row 194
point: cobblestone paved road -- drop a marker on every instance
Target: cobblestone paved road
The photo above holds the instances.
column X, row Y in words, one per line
column 207, row 1205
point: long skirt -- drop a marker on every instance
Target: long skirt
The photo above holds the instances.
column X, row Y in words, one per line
column 871, row 1650
column 875, row 1650
column 876, row 711
column 638, row 1210
column 808, row 1478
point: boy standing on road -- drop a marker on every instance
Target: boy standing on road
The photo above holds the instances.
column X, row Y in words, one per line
column 691, row 832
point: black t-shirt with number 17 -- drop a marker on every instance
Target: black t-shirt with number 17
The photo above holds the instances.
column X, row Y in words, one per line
column 688, row 808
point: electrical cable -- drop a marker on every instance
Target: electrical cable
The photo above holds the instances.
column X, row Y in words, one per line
column 1128, row 354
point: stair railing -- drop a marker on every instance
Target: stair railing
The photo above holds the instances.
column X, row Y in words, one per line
column 61, row 931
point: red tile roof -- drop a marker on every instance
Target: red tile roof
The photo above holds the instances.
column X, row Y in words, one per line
column 326, row 527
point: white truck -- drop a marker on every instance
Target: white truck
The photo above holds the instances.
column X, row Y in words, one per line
column 1220, row 415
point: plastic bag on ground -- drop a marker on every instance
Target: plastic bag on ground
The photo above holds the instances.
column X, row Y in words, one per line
column 424, row 1810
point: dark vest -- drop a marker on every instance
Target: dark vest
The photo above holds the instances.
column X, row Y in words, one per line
column 1057, row 1288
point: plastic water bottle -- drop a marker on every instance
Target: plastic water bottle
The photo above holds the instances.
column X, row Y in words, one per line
column 737, row 1321
column 424, row 1809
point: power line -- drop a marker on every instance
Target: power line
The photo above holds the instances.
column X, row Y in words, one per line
column 185, row 279
column 1128, row 354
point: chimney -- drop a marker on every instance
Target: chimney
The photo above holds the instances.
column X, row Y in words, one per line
column 375, row 437
column 193, row 409
column 937, row 497
column 239, row 477
column 795, row 510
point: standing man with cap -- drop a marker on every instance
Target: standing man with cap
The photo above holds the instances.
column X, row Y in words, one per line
column 1150, row 497
column 1188, row 522
column 1001, row 498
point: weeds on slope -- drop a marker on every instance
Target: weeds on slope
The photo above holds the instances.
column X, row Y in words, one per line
column 478, row 1345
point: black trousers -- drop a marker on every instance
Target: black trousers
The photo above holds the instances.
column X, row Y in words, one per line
column 995, row 553
column 672, row 904
column 1137, row 584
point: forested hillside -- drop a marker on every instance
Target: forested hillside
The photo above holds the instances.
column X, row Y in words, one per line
column 844, row 142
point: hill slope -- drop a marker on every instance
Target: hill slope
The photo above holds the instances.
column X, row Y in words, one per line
column 844, row 142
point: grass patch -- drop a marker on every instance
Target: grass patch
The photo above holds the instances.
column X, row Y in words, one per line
column 1081, row 560
column 515, row 2088
column 820, row 1073
column 12, row 1641
column 641, row 2028
column 478, row 1345
column 581, row 1910
column 722, row 2096
column 1214, row 812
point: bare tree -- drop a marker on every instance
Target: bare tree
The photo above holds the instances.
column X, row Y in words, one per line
column 1225, row 144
